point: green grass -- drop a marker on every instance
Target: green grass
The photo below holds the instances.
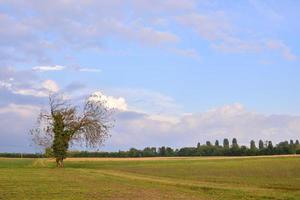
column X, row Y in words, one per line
column 226, row 179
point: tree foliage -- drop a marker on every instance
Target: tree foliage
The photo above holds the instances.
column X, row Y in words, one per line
column 261, row 145
column 226, row 143
column 217, row 143
column 252, row 145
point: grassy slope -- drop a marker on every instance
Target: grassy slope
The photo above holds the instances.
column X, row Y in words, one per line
column 251, row 178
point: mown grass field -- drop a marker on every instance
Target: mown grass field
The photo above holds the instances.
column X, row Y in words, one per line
column 173, row 178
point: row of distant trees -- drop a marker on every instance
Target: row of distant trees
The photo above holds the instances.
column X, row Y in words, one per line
column 207, row 149
column 21, row 155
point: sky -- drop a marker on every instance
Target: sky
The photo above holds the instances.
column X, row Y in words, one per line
column 177, row 72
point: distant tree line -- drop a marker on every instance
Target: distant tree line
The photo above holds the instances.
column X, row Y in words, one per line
column 22, row 155
column 207, row 149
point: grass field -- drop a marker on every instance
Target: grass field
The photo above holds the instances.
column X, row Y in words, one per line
column 160, row 178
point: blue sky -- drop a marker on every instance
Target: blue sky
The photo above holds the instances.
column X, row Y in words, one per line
column 178, row 71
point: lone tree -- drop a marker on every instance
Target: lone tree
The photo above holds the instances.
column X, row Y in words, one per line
column 63, row 125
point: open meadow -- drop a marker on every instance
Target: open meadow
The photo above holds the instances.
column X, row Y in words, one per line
column 213, row 178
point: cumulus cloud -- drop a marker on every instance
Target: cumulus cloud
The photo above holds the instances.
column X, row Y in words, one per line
column 109, row 101
column 228, row 121
column 141, row 100
column 51, row 86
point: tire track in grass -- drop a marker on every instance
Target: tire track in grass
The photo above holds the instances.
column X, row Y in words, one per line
column 39, row 162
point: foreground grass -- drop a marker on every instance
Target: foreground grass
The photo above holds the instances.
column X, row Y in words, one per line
column 186, row 178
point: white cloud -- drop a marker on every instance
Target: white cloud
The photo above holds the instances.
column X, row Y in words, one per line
column 23, row 111
column 5, row 84
column 147, row 101
column 60, row 68
column 48, row 68
column 109, row 101
column 149, row 104
column 25, row 83
column 163, row 118
column 30, row 92
column 50, row 86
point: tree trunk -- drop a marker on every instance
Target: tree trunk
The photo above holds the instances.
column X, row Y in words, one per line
column 60, row 162
column 57, row 162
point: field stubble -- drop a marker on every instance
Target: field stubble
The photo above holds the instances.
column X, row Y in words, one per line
column 223, row 178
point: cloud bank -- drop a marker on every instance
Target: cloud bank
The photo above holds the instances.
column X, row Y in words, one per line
column 229, row 121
